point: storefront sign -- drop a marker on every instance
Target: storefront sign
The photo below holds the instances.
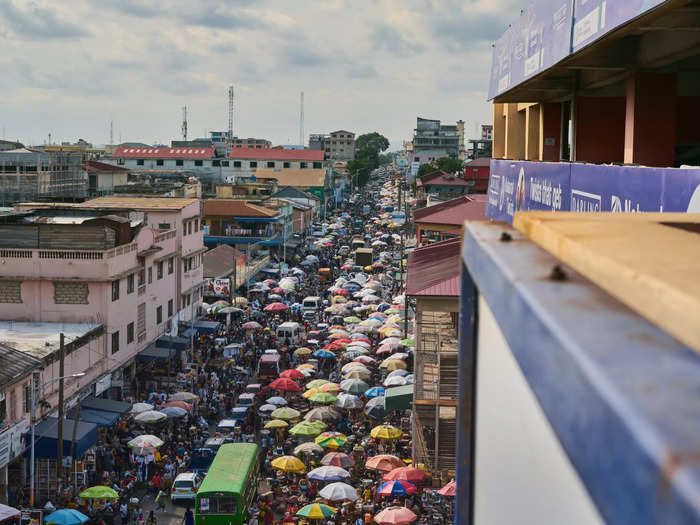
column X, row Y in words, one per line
column 102, row 384
column 524, row 185
column 32, row 517
column 12, row 442
column 217, row 287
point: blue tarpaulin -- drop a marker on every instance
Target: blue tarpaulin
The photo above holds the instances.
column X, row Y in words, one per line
column 99, row 417
column 46, row 438
column 206, row 327
column 107, row 405
column 178, row 343
column 153, row 354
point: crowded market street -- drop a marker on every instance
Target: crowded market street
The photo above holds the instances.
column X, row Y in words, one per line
column 300, row 364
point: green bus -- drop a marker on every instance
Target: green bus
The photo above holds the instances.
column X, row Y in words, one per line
column 229, row 487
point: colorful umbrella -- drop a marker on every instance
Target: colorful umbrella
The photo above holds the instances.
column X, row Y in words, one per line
column 449, row 490
column 308, row 448
column 289, row 464
column 352, row 320
column 323, row 398
column 317, row 383
column 276, row 423
column 276, row 307
column 293, row 374
column 411, row 474
column 99, row 492
column 310, row 392
column 307, row 428
column 66, row 517
column 395, row 516
column 375, row 391
column 384, row 463
column 285, row 413
column 326, row 473
column 330, row 387
column 331, row 440
column 316, row 511
column 338, row 491
column 151, row 416
column 285, row 385
column 338, row 459
column 386, row 432
column 397, row 487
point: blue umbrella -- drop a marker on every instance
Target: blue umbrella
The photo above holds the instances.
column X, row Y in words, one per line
column 323, row 354
column 375, row 391
column 382, row 307
column 66, row 517
column 174, row 412
column 399, row 487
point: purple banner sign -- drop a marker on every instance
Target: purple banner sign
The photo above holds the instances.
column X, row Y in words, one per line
column 524, row 185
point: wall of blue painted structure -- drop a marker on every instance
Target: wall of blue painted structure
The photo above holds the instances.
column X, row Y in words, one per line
column 556, row 186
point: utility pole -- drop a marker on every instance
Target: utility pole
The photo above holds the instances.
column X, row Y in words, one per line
column 72, row 445
column 61, row 373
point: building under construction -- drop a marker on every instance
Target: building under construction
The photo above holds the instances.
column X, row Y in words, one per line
column 31, row 175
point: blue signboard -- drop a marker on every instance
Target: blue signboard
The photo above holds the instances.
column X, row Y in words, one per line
column 536, row 41
column 524, row 185
column 548, row 31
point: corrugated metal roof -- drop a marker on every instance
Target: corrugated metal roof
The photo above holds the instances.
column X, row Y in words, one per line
column 236, row 208
column 276, row 154
column 218, row 261
column 454, row 211
column 164, row 153
column 14, row 365
column 434, row 270
column 479, row 163
column 137, row 203
column 297, row 178
column 93, row 165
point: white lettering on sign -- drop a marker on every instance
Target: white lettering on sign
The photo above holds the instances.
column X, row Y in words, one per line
column 542, row 191
column 582, row 201
column 586, row 27
column 503, row 83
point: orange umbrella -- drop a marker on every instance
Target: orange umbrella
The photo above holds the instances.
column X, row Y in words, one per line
column 408, row 473
column 384, row 462
column 179, row 404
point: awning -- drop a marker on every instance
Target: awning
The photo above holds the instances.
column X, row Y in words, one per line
column 101, row 418
column 206, row 327
column 107, row 405
column 46, row 438
column 178, row 343
column 153, row 354
column 399, row 398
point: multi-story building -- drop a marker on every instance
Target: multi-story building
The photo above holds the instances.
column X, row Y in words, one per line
column 239, row 223
column 431, row 135
column 341, row 145
column 317, row 141
column 30, row 175
column 250, row 143
column 487, row 132
column 246, row 161
column 104, row 178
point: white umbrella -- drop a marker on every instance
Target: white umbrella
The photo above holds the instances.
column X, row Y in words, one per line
column 328, row 473
column 312, row 258
column 152, row 416
column 338, row 491
column 278, row 401
column 348, row 401
column 268, row 408
column 394, row 381
column 146, row 440
column 184, row 396
column 400, row 372
column 137, row 408
column 409, row 379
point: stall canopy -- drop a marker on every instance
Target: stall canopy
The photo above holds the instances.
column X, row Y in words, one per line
column 154, row 354
column 206, row 327
column 46, row 438
column 106, row 405
column 399, row 398
column 177, row 343
column 98, row 417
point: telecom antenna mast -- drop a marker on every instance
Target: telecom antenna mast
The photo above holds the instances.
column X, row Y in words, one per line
column 301, row 121
column 184, row 122
column 111, row 132
column 230, row 113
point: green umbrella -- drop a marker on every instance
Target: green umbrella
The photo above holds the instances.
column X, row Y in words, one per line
column 308, row 428
column 99, row 492
column 408, row 342
column 316, row 511
column 285, row 413
column 323, row 397
column 352, row 320
column 316, row 383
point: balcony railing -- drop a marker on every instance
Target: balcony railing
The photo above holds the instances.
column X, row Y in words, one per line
column 160, row 237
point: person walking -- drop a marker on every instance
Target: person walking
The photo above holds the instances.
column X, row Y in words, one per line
column 160, row 500
column 188, row 518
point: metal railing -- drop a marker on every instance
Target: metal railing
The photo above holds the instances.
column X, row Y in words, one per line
column 160, row 237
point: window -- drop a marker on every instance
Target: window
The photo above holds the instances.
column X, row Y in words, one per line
column 318, row 165
column 159, row 162
column 302, row 165
column 130, row 284
column 130, row 333
column 197, row 162
column 142, row 277
column 286, row 165
column 170, row 307
column 13, row 404
column 179, row 162
column 141, row 320
column 236, row 163
column 139, row 162
column 27, row 399
column 170, row 265
column 150, row 274
column 224, row 163
column 115, row 290
column 216, row 163
column 159, row 314
column 270, row 163
column 115, row 342
column 253, row 164
column 189, row 227
column 196, row 225
column 164, row 226
column 159, row 269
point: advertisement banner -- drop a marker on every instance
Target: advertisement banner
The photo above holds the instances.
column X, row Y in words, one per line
column 12, row 442
column 217, row 287
column 521, row 185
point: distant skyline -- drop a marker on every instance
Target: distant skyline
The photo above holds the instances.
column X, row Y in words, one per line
column 71, row 67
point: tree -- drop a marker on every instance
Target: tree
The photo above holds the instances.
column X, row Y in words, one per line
column 425, row 169
column 367, row 149
column 446, row 164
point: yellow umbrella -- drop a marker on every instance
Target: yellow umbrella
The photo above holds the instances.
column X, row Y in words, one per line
column 351, row 365
column 339, row 299
column 285, row 413
column 288, row 464
column 240, row 301
column 386, row 432
column 316, row 383
column 330, row 387
column 393, row 364
column 276, row 423
column 358, row 373
column 308, row 366
column 302, row 351
column 310, row 392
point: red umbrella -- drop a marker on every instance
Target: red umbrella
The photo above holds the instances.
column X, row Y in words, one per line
column 337, row 459
column 384, row 462
column 276, row 307
column 408, row 473
column 397, row 487
column 343, row 291
column 343, row 340
column 277, row 290
column 251, row 325
column 285, row 385
column 179, row 404
column 292, row 374
column 335, row 345
column 449, row 490
column 395, row 516
column 384, row 350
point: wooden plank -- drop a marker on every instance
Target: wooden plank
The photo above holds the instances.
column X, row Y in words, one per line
column 641, row 260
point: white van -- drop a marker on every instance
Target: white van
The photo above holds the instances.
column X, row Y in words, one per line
column 291, row 331
column 185, row 486
column 311, row 304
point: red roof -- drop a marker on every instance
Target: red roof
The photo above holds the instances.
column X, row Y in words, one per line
column 93, row 165
column 454, row 211
column 435, row 270
column 276, row 154
column 481, row 162
column 163, row 153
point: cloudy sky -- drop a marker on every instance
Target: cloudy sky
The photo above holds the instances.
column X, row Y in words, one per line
column 70, row 66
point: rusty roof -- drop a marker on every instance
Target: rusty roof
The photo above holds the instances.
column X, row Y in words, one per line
column 454, row 211
column 137, row 203
column 236, row 208
column 434, row 271
column 218, row 262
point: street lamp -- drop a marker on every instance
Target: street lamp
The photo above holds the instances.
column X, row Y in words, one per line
column 31, row 466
